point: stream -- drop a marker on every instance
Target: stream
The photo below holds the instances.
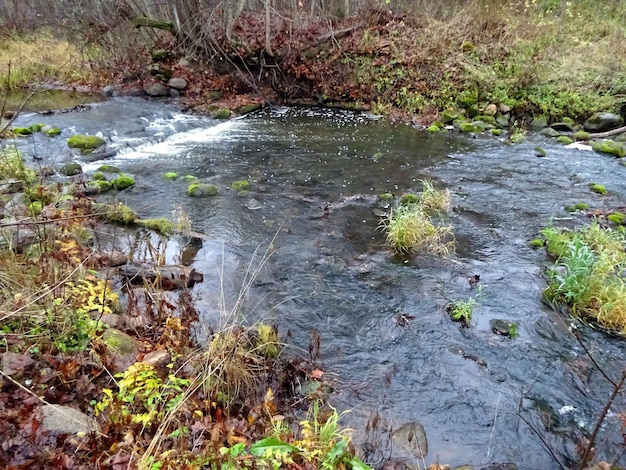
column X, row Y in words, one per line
column 475, row 393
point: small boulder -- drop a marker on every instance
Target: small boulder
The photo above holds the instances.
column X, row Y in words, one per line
column 123, row 182
column 201, row 190
column 491, row 110
column 66, row 420
column 240, row 185
column 71, row 169
column 562, row 127
column 549, row 132
column 155, row 89
column 121, row 351
column 85, row 143
column 177, row 83
column 50, row 131
column 610, row 147
column 222, row 113
column 22, row 131
column 411, row 439
column 503, row 327
column 538, row 123
column 601, row 122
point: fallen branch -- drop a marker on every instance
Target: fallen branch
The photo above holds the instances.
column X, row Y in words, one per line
column 140, row 21
column 602, row 135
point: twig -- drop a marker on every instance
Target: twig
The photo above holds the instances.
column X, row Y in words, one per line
column 493, row 428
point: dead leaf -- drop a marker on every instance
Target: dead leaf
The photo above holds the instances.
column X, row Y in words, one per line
column 317, row 374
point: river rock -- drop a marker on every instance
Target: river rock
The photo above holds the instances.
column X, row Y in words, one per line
column 562, row 127
column 601, row 122
column 71, row 169
column 11, row 186
column 110, row 90
column 155, row 89
column 121, row 350
column 85, row 143
column 66, row 420
column 501, row 466
column 549, row 132
column 491, row 110
column 538, row 123
column 411, row 438
column 178, row 83
column 174, row 93
column 502, row 327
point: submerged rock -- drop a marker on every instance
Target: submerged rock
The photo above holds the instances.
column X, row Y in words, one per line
column 503, row 327
column 411, row 438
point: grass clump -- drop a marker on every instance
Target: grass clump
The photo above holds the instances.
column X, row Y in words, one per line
column 411, row 228
column 12, row 166
column 160, row 225
column 587, row 274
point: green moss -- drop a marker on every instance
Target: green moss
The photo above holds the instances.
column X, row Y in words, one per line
column 248, row 108
column 581, row 206
column 486, row 118
column 468, row 127
column 536, row 243
column 170, row 176
column 581, row 135
column 201, row 189
column 54, row 131
column 409, row 199
column 513, row 330
column 240, row 185
column 104, row 185
column 98, row 176
column 123, row 182
column 71, row 169
column 85, row 143
column 385, row 197
column 517, row 136
column 108, row 169
column 22, row 131
column 597, row 188
column 222, row 114
column 35, row 208
column 433, row 128
column 448, row 116
column 569, row 121
column 160, row 225
column 610, row 147
column 115, row 212
column 540, row 152
column 496, row 132
column 617, row 218
column 190, row 178
column 564, row 140
column 36, row 127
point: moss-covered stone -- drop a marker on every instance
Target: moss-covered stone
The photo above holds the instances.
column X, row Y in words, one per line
column 170, row 176
column 98, row 176
column 248, row 108
column 240, row 185
column 22, row 131
column 517, row 137
column 85, row 143
column 160, row 225
column 467, row 127
column 496, row 132
column 35, row 208
column 618, row 218
column 201, row 190
column 409, row 199
column 448, row 116
column 108, row 169
column 51, row 132
column 37, row 127
column 536, row 243
column 581, row 135
column 115, row 212
column 581, row 206
column 123, row 182
column 190, row 178
column 569, row 121
column 385, row 197
column 540, row 152
column 598, row 188
column 486, row 119
column 564, row 140
column 71, row 169
column 222, row 113
column 433, row 128
column 610, row 147
column 104, row 185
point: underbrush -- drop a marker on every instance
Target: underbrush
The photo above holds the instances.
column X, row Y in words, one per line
column 78, row 335
column 587, row 275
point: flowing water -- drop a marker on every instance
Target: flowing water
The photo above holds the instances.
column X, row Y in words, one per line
column 332, row 273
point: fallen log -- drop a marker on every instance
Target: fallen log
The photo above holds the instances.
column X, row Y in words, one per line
column 165, row 277
column 611, row 133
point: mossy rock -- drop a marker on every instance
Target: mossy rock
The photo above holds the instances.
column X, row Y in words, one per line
column 549, row 132
column 201, row 190
column 108, row 169
column 248, row 108
column 240, row 185
column 71, row 169
column 104, row 185
column 123, row 182
column 581, row 135
column 85, row 143
column 536, row 243
column 222, row 113
column 517, row 137
column 22, row 131
column 267, row 342
column 160, row 225
column 618, row 218
column 170, row 176
column 564, row 140
column 467, row 127
column 448, row 116
column 486, row 119
column 98, row 176
column 569, row 121
column 37, row 127
column 385, row 197
column 190, row 178
column 581, row 206
column 409, row 199
column 433, row 128
column 610, row 147
column 540, row 152
column 598, row 188
column 115, row 212
column 51, row 131
column 496, row 132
